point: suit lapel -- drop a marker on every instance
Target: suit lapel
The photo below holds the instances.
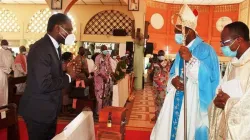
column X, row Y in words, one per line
column 52, row 45
column 54, row 52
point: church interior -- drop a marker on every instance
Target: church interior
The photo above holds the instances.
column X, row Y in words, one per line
column 133, row 30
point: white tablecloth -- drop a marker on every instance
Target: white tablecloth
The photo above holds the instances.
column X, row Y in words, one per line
column 81, row 128
column 121, row 92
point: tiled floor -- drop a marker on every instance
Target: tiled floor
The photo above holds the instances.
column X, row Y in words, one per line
column 143, row 110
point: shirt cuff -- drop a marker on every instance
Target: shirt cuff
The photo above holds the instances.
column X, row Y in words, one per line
column 69, row 77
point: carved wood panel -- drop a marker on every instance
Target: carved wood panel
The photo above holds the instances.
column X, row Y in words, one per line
column 105, row 22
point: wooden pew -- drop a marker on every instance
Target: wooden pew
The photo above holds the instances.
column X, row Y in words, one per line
column 87, row 101
column 9, row 120
column 12, row 81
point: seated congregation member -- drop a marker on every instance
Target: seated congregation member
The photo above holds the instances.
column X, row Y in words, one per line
column 21, row 68
column 202, row 74
column 6, row 66
column 103, row 83
column 66, row 101
column 229, row 117
column 67, row 58
column 160, row 71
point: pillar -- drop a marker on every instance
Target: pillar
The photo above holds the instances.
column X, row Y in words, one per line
column 244, row 10
column 139, row 17
column 23, row 42
column 138, row 66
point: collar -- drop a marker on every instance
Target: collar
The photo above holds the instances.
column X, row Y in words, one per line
column 190, row 44
column 55, row 43
column 243, row 59
column 194, row 43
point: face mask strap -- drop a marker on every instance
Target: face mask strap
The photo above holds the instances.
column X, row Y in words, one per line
column 187, row 33
column 64, row 31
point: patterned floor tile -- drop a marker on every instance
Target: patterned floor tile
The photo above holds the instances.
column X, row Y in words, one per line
column 143, row 109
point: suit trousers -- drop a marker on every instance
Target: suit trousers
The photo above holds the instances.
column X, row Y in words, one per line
column 40, row 131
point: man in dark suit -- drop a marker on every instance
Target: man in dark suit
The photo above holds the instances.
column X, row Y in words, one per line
column 41, row 102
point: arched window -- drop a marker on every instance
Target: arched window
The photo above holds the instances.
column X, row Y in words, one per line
column 8, row 21
column 38, row 22
column 103, row 23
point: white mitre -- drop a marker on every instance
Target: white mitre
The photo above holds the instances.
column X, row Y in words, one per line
column 189, row 17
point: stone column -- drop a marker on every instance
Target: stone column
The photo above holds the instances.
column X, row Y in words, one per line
column 138, row 66
column 139, row 17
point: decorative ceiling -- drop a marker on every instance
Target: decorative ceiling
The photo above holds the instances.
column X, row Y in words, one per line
column 23, row 1
column 84, row 2
column 101, row 2
column 201, row 2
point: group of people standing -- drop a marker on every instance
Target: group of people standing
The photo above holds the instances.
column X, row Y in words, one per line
column 50, row 73
column 212, row 111
column 10, row 66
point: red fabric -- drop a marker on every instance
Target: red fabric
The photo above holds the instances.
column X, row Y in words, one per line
column 195, row 12
column 20, row 59
column 130, row 134
column 23, row 130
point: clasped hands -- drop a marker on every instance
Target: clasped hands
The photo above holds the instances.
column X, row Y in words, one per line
column 73, row 70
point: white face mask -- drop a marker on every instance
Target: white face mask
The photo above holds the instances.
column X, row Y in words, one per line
column 70, row 38
column 24, row 53
column 5, row 47
column 89, row 56
column 161, row 58
column 114, row 57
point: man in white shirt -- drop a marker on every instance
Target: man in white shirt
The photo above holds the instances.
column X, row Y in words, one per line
column 6, row 63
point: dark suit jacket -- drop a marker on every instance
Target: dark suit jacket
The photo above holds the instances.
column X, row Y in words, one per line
column 42, row 98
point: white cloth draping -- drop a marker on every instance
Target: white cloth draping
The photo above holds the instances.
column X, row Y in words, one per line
column 81, row 128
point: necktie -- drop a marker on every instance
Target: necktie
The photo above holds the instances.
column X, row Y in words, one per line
column 59, row 52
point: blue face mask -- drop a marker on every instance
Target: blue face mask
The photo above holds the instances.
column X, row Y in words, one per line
column 178, row 38
column 105, row 52
column 228, row 52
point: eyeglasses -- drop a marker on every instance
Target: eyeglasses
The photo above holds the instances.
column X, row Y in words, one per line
column 223, row 43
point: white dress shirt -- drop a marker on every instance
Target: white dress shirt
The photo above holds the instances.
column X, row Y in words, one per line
column 56, row 45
